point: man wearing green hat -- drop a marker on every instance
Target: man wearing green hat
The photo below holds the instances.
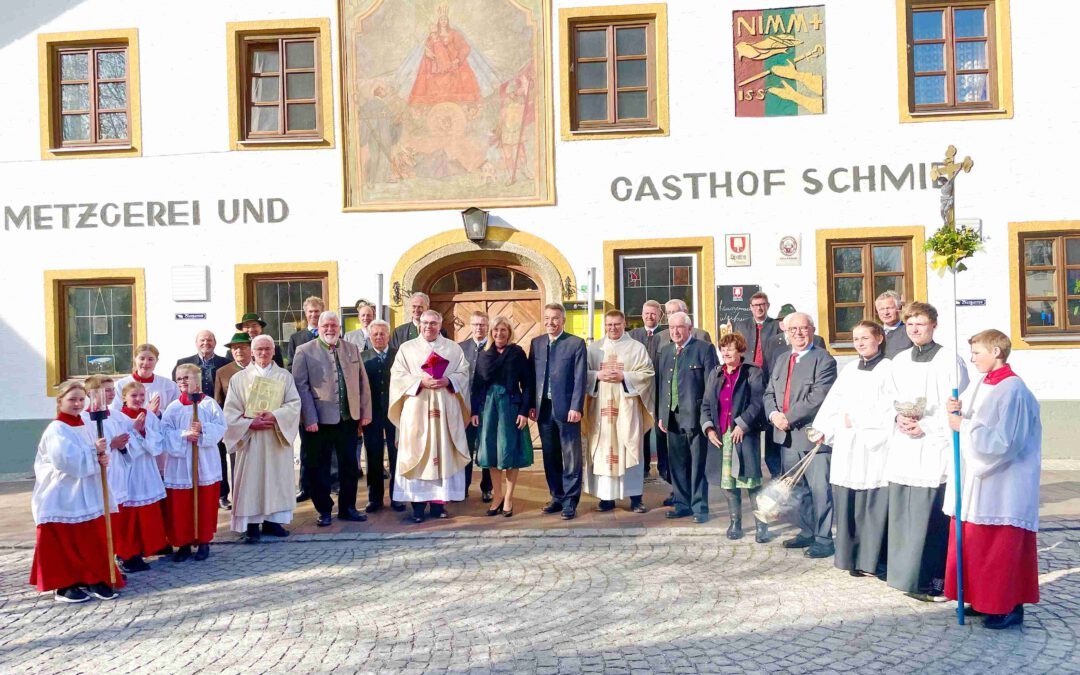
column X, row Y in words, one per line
column 240, row 356
column 252, row 324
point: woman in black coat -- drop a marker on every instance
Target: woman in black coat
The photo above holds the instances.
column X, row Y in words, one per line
column 731, row 417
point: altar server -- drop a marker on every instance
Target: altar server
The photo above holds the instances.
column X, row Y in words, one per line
column 142, row 520
column 920, row 449
column 1001, row 446
column 180, row 430
column 856, row 420
column 71, row 555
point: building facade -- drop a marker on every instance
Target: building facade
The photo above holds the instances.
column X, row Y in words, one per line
column 165, row 169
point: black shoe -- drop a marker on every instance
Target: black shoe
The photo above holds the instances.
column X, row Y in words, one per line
column 323, row 520
column 372, row 507
column 734, row 530
column 553, row 507
column 638, row 507
column 495, row 511
column 274, row 529
column 971, row 611
column 397, row 506
column 439, row 511
column 569, row 512
column 417, row 512
column 817, row 550
column 700, row 518
column 251, row 535
column 70, row 595
column 182, row 553
column 302, row 496
column 605, row 505
column 676, row 513
column 101, row 591
column 202, row 553
column 134, row 564
column 485, row 496
column 352, row 515
column 999, row 621
column 670, row 501
column 761, row 533
column 798, row 541
column 168, row 550
column 225, row 504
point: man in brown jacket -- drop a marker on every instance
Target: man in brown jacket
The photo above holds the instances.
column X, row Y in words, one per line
column 335, row 402
column 240, row 349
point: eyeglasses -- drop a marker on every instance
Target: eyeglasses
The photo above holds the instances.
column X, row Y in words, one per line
column 759, row 304
column 800, row 329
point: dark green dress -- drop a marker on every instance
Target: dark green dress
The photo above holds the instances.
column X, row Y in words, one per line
column 502, row 390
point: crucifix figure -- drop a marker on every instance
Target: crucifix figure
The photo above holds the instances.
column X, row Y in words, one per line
column 944, row 177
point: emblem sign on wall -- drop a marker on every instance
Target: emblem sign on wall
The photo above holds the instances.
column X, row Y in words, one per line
column 779, row 61
column 737, row 247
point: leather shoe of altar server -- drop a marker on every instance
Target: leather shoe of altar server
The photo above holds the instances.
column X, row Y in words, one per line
column 274, row 529
column 352, row 515
column 798, row 541
column 251, row 535
column 817, row 550
column 677, row 513
column 999, row 621
column 202, row 552
column 552, row 507
column 323, row 520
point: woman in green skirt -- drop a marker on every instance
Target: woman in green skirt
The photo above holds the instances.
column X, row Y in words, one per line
column 731, row 417
column 502, row 390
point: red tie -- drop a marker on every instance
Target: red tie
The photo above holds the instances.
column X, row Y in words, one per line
column 787, row 387
column 757, row 348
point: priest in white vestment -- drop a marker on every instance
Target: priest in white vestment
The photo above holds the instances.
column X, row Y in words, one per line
column 429, row 404
column 618, row 412
column 261, row 439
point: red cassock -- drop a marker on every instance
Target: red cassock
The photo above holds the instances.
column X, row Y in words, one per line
column 1001, row 567
column 72, row 554
column 445, row 74
column 141, row 530
column 180, row 517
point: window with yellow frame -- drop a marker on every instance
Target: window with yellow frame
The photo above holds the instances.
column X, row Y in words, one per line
column 89, row 94
column 955, row 59
column 280, row 84
column 614, row 71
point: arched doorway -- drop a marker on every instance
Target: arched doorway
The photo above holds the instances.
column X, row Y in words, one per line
column 492, row 287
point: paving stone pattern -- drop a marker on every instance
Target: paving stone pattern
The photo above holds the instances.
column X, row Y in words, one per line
column 534, row 601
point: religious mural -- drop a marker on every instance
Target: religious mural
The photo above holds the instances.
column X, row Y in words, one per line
column 446, row 103
column 779, row 61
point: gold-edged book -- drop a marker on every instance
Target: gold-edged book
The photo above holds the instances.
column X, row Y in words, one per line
column 266, row 395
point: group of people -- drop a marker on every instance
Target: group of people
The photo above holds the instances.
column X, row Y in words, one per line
column 870, row 445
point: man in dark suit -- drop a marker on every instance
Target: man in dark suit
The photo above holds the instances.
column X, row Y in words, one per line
column 381, row 434
column 313, row 307
column 478, row 324
column 335, row 401
column 209, row 362
column 418, row 304
column 760, row 332
column 888, row 306
column 778, row 346
column 649, row 335
column 685, row 365
column 560, row 365
column 796, row 389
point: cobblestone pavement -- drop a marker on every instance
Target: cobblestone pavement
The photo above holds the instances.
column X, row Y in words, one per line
column 555, row 601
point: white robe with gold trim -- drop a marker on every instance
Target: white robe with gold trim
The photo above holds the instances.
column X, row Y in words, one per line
column 262, row 488
column 432, row 449
column 613, row 466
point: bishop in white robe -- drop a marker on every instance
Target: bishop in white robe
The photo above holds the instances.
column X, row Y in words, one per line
column 429, row 394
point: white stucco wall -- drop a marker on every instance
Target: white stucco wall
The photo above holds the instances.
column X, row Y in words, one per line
column 1024, row 171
